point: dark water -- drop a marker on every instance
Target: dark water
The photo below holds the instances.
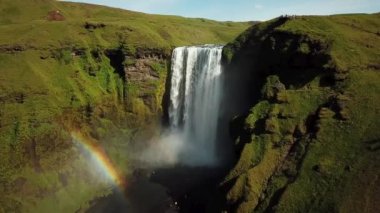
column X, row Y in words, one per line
column 180, row 189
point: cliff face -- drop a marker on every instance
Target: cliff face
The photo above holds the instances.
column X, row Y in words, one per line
column 69, row 67
column 306, row 120
column 109, row 95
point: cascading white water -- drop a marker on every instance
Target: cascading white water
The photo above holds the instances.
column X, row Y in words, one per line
column 195, row 96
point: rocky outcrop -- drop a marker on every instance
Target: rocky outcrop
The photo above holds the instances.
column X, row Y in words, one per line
column 141, row 71
column 300, row 121
column 90, row 26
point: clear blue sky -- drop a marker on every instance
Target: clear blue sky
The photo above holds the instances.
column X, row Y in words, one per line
column 243, row 10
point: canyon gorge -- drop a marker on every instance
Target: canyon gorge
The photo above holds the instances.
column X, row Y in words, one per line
column 108, row 110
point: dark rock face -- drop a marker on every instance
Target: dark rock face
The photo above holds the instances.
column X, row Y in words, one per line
column 117, row 58
column 92, row 26
column 152, row 53
column 12, row 48
column 145, row 68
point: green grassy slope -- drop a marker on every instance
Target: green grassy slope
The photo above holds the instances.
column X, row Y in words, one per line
column 310, row 142
column 106, row 81
column 25, row 23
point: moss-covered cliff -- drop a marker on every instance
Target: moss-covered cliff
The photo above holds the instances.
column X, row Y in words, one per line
column 310, row 140
column 76, row 67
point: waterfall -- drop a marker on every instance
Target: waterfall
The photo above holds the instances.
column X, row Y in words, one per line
column 195, row 98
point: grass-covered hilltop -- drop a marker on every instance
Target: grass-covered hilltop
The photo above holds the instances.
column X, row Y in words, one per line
column 310, row 141
column 69, row 67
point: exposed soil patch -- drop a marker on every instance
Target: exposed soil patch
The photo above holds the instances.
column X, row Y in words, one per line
column 55, row 15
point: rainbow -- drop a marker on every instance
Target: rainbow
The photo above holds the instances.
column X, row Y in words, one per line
column 100, row 158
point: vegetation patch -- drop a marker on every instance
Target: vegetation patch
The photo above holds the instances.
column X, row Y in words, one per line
column 314, row 104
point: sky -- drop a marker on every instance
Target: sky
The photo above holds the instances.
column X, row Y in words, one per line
column 242, row 10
